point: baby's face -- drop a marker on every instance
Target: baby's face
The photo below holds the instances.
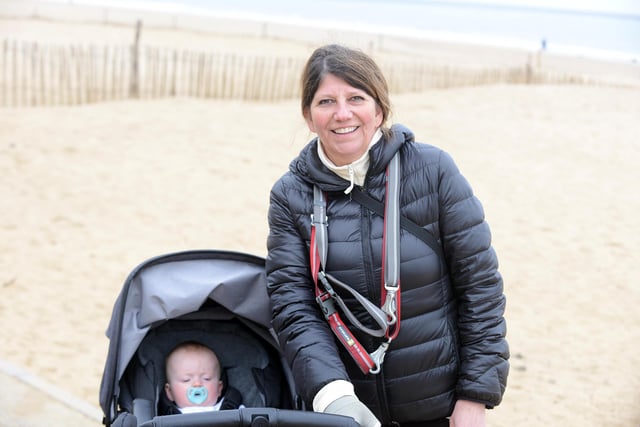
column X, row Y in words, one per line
column 193, row 378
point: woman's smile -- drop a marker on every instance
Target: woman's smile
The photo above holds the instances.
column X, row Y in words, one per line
column 343, row 131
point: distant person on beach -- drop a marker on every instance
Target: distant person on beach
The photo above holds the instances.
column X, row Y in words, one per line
column 194, row 380
column 401, row 323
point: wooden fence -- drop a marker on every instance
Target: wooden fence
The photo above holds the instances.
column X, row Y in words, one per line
column 35, row 74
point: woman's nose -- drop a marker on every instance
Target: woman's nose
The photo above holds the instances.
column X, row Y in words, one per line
column 343, row 111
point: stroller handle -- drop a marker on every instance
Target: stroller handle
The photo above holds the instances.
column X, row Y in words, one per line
column 252, row 417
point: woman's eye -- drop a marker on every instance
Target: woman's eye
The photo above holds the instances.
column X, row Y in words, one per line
column 325, row 101
column 357, row 98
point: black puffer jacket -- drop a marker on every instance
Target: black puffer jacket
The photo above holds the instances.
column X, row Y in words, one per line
column 451, row 343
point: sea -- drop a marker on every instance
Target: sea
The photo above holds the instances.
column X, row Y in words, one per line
column 600, row 29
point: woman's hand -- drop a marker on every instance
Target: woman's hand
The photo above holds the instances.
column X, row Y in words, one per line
column 350, row 406
column 467, row 414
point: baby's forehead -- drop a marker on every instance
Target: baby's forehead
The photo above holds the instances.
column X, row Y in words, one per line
column 184, row 357
column 193, row 348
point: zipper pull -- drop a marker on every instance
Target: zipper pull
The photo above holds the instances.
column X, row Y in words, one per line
column 352, row 176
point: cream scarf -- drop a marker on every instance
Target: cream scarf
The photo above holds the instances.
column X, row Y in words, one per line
column 354, row 172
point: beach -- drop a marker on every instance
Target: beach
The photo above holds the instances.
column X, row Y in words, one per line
column 89, row 192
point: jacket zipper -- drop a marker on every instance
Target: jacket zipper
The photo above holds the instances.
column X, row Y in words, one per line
column 374, row 291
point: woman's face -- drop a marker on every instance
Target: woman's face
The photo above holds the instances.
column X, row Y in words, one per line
column 345, row 119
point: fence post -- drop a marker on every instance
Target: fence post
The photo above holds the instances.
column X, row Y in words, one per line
column 174, row 75
column 134, row 89
column 5, row 74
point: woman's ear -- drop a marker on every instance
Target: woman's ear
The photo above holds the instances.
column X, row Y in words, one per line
column 307, row 118
column 379, row 115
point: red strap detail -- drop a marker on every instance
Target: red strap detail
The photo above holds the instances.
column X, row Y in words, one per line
column 355, row 349
column 314, row 258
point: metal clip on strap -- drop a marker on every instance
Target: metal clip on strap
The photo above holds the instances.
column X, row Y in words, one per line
column 390, row 307
column 378, row 357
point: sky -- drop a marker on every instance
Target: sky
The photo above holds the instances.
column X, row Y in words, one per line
column 610, row 6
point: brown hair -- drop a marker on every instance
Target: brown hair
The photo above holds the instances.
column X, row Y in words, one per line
column 354, row 67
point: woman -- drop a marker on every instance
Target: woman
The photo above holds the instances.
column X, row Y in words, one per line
column 449, row 359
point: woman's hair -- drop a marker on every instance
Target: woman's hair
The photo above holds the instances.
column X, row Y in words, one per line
column 354, row 67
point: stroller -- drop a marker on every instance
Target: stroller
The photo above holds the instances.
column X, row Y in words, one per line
column 214, row 297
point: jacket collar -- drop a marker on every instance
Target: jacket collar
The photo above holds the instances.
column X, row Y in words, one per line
column 310, row 168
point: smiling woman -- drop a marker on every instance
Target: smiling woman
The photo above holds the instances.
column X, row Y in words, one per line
column 449, row 357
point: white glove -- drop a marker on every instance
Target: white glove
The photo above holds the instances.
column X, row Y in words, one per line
column 350, row 406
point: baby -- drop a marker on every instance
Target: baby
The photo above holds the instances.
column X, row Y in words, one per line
column 194, row 381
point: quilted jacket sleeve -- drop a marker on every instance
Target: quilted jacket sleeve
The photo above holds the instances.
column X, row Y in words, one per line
column 303, row 332
column 478, row 289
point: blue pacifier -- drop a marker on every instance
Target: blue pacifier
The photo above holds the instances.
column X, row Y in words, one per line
column 197, row 395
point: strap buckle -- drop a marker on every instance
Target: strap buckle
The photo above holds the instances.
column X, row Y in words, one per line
column 325, row 301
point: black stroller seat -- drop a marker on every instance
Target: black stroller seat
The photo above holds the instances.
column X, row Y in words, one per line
column 247, row 364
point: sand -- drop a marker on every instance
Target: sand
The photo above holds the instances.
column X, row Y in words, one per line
column 89, row 192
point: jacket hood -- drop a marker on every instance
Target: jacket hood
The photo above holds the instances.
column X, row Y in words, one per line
column 310, row 168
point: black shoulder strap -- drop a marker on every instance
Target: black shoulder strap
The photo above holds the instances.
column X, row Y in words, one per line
column 413, row 228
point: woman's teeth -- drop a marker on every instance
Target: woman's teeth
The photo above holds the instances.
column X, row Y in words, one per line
column 345, row 130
